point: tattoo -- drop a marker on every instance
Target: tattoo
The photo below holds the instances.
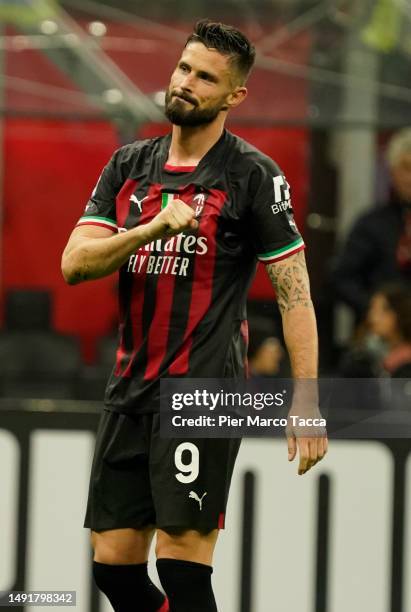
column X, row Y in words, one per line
column 291, row 283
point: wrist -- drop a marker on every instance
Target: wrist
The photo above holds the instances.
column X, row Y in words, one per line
column 305, row 392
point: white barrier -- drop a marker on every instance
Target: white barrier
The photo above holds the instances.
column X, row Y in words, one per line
column 285, row 534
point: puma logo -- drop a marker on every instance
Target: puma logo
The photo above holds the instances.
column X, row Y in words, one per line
column 139, row 203
column 193, row 495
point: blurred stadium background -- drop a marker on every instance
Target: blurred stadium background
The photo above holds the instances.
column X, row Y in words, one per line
column 78, row 78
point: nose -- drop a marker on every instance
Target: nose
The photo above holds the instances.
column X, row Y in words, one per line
column 187, row 83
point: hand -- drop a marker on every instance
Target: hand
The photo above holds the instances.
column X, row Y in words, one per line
column 175, row 218
column 312, row 441
column 312, row 450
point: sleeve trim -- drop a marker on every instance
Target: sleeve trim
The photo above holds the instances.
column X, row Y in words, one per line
column 282, row 253
column 101, row 221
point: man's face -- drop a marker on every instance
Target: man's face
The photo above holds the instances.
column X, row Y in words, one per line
column 201, row 86
column 401, row 176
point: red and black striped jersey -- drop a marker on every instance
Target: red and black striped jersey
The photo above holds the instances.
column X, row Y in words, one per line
column 182, row 300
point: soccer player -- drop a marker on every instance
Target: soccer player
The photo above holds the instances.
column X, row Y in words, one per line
column 184, row 218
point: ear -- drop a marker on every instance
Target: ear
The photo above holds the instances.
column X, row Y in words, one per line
column 236, row 97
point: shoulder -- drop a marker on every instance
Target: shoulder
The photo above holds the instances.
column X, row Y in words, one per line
column 129, row 152
column 130, row 156
column 249, row 159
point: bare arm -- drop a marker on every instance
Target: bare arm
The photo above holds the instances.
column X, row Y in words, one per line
column 291, row 283
column 93, row 252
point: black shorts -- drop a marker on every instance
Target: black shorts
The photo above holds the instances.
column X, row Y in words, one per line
column 139, row 479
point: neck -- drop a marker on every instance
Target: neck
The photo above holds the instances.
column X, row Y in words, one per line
column 190, row 144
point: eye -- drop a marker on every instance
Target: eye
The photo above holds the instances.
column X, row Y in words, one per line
column 184, row 68
column 207, row 77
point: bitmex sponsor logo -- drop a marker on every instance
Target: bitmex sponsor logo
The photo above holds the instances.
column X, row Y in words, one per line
column 165, row 257
column 281, row 195
column 281, row 207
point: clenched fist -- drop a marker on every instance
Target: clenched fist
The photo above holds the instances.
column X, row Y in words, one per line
column 175, row 218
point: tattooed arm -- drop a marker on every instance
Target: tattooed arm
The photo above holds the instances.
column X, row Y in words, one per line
column 291, row 283
column 292, row 286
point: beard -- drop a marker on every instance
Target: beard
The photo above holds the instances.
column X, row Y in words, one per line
column 178, row 113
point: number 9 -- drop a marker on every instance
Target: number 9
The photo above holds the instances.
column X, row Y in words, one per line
column 188, row 471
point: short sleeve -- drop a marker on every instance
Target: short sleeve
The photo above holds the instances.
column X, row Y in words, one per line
column 101, row 207
column 275, row 233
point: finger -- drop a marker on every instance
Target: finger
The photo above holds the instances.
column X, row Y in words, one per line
column 314, row 451
column 185, row 218
column 292, row 448
column 309, row 457
column 317, row 450
column 177, row 216
column 180, row 204
column 310, row 454
column 183, row 209
column 174, row 226
column 304, row 455
column 184, row 215
column 322, row 447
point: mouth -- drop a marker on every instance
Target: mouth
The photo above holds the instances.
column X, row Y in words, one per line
column 184, row 99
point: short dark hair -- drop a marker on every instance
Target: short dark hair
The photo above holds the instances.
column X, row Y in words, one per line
column 227, row 40
column 398, row 297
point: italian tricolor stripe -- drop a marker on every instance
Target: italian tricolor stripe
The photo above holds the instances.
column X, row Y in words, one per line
column 284, row 252
column 166, row 198
column 100, row 221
